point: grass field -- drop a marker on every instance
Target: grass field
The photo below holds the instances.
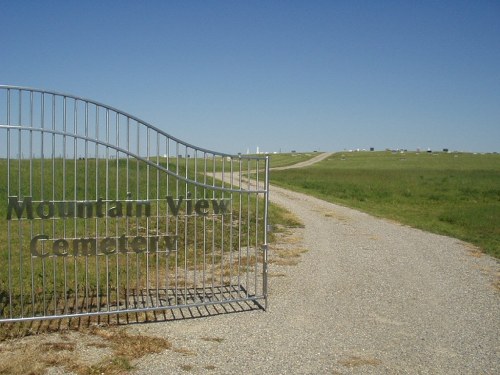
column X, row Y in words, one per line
column 455, row 194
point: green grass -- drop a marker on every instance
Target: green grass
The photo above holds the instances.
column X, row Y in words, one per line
column 455, row 194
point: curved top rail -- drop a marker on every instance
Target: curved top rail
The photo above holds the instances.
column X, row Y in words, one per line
column 138, row 157
column 123, row 113
column 49, row 112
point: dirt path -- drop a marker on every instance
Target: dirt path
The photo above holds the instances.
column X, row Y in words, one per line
column 306, row 163
column 369, row 296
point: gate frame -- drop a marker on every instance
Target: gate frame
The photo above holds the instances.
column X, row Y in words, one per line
column 15, row 94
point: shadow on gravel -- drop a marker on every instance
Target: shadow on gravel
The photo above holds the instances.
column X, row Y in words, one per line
column 100, row 344
column 192, row 304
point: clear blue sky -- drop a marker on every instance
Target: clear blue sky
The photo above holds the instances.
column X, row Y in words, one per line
column 281, row 75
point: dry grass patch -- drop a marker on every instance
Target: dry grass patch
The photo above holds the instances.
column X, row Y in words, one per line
column 334, row 215
column 284, row 262
column 133, row 346
column 282, row 219
column 473, row 251
column 89, row 351
column 287, row 248
column 58, row 346
column 290, row 238
column 287, row 256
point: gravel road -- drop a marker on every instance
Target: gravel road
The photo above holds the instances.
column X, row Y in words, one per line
column 368, row 297
column 313, row 160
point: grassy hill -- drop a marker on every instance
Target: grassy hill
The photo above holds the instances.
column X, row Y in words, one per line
column 455, row 194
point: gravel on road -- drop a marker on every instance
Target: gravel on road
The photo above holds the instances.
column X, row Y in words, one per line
column 369, row 296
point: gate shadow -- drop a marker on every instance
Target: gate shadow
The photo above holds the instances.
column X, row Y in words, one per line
column 158, row 306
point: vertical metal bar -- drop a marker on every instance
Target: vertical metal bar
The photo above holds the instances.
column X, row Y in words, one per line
column 157, row 232
column 19, row 193
column 148, row 286
column 106, row 221
column 176, row 223
column 231, row 230
column 212, row 271
column 222, row 226
column 204, row 260
column 195, row 239
column 53, row 156
column 257, row 221
column 42, row 195
column 249, row 223
column 127, row 276
column 88, row 291
column 137, row 192
column 9, row 248
column 117, row 197
column 167, row 226
column 265, row 255
column 186, row 221
column 31, row 195
column 64, row 155
column 75, row 196
column 240, row 214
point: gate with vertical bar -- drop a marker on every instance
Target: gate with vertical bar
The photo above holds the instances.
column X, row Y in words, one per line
column 102, row 213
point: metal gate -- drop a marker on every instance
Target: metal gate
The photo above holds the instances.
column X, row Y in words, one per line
column 102, row 213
